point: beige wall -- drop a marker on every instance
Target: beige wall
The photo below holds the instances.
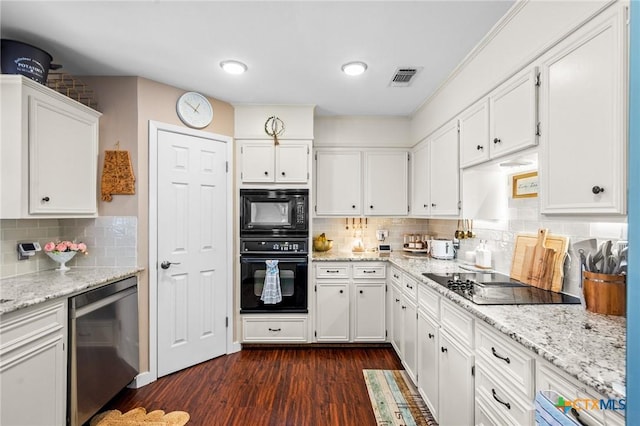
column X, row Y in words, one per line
column 128, row 103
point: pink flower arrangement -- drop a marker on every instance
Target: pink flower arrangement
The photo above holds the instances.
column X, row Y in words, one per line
column 63, row 246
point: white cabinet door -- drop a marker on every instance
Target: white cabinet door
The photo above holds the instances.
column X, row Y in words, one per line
column 474, row 134
column 332, row 312
column 397, row 301
column 427, row 364
column 583, row 131
column 369, row 312
column 410, row 338
column 338, row 177
column 386, row 183
column 444, row 171
column 33, row 366
column 63, row 158
column 420, row 185
column 513, row 115
column 456, row 382
column 257, row 161
column 292, row 159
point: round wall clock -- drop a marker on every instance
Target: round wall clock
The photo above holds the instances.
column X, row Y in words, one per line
column 194, row 110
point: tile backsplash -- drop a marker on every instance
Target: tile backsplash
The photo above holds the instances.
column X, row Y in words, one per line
column 500, row 234
column 111, row 241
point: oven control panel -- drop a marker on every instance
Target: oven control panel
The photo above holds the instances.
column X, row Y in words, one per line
column 273, row 246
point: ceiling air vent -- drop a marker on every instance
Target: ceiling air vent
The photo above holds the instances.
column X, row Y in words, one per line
column 404, row 76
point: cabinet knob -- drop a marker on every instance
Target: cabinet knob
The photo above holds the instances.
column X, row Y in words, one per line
column 397, row 300
column 371, row 206
column 283, row 174
column 353, row 206
column 443, row 349
column 341, row 291
column 479, row 147
column 496, row 141
column 424, row 205
column 433, row 204
column 596, row 189
column 45, row 199
column 431, row 336
column 266, row 173
column 404, row 307
column 361, row 292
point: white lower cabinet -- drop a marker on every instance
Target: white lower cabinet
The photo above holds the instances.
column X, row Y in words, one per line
column 428, row 354
column 549, row 377
column 33, row 365
column 350, row 302
column 274, row 329
column 332, row 311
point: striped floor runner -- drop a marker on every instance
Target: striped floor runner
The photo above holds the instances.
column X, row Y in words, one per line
column 395, row 400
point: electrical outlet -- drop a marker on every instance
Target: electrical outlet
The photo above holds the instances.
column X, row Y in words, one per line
column 382, row 234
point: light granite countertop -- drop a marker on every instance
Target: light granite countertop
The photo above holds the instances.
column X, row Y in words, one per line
column 30, row 289
column 588, row 346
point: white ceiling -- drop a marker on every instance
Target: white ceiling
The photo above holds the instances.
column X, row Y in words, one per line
column 294, row 49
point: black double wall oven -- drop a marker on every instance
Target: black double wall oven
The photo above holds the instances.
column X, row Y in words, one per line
column 274, row 225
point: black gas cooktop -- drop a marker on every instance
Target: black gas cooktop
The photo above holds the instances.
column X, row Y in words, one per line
column 497, row 289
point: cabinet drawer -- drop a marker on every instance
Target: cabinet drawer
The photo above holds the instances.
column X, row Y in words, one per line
column 457, row 322
column 429, row 301
column 410, row 287
column 509, row 407
column 549, row 377
column 396, row 276
column 515, row 364
column 274, row 330
column 332, row 271
column 21, row 327
column 369, row 271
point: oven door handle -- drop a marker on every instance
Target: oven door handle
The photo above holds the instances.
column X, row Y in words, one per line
column 279, row 259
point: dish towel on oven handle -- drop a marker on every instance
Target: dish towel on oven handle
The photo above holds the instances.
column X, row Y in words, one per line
column 271, row 291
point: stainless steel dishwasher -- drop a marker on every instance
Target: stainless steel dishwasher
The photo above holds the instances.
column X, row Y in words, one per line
column 103, row 343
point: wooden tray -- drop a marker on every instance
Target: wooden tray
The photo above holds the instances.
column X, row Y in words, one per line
column 557, row 242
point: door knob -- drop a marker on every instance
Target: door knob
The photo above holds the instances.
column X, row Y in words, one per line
column 167, row 264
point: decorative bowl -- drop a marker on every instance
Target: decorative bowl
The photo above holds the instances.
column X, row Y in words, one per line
column 61, row 257
column 322, row 245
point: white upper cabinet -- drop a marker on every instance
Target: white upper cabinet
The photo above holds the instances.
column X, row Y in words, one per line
column 386, row 182
column 49, row 152
column 366, row 182
column 583, row 125
column 513, row 114
column 420, row 192
column 474, row 134
column 338, row 176
column 261, row 159
column 265, row 162
column 504, row 122
column 444, row 177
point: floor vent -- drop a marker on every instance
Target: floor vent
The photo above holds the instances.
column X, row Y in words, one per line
column 403, row 76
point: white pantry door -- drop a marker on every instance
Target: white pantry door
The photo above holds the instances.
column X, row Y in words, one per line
column 192, row 227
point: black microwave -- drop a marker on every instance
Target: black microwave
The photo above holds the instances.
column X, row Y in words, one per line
column 274, row 212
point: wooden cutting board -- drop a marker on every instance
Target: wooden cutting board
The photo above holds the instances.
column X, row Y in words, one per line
column 535, row 273
column 558, row 243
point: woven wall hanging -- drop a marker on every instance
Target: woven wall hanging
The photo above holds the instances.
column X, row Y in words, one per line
column 117, row 174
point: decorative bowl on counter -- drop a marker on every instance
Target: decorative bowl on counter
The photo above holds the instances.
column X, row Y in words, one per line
column 61, row 257
column 322, row 245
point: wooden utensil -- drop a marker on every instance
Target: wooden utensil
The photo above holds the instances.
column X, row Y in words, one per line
column 537, row 268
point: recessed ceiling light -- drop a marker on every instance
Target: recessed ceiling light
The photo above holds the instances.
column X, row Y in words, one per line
column 233, row 67
column 354, row 68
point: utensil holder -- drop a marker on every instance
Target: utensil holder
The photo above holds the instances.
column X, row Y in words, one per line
column 605, row 293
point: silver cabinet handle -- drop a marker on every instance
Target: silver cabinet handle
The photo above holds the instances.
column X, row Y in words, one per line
column 166, row 264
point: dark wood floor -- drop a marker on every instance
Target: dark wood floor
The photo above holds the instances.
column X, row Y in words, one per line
column 281, row 386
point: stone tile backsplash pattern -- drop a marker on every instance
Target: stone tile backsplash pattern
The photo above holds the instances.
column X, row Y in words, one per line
column 111, row 241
